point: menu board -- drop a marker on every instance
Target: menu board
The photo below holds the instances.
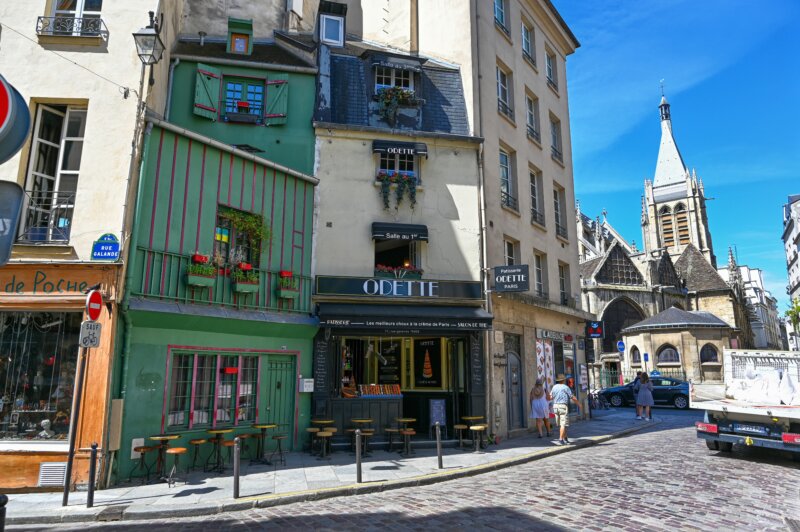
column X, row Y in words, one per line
column 389, row 361
column 320, row 365
column 476, row 363
column 428, row 363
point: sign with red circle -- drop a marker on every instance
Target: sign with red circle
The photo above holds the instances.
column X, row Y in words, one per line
column 15, row 120
column 94, row 304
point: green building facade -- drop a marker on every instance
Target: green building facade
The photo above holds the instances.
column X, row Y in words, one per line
column 217, row 313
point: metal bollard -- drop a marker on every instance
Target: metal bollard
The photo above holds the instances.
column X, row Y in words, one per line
column 3, row 502
column 236, row 459
column 439, row 444
column 358, row 456
column 92, row 476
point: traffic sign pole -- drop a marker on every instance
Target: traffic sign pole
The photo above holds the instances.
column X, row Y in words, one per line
column 73, row 424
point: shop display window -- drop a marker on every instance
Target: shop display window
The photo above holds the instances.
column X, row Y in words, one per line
column 38, row 358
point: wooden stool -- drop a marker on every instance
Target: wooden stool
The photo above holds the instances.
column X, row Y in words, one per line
column 324, row 438
column 229, row 444
column 460, row 429
column 366, row 434
column 143, row 450
column 406, row 434
column 392, row 432
column 196, row 444
column 311, row 432
column 279, row 438
column 352, row 434
column 243, row 441
column 176, row 452
column 477, row 434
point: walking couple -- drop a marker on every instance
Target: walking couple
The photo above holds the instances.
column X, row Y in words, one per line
column 643, row 392
column 561, row 394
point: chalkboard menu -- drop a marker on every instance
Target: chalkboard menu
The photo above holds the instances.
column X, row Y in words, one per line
column 389, row 362
column 320, row 365
column 476, row 362
column 438, row 412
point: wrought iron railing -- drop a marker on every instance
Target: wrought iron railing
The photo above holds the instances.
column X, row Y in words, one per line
column 529, row 57
column 537, row 216
column 506, row 109
column 561, row 230
column 507, row 200
column 556, row 154
column 47, row 217
column 533, row 133
column 552, row 83
column 164, row 276
column 68, row 26
column 500, row 24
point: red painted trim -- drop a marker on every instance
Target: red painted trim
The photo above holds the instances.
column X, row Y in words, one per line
column 236, row 392
column 283, row 218
column 278, row 82
column 230, row 178
column 186, row 192
column 207, row 73
column 235, row 76
column 303, row 247
column 241, row 190
column 169, row 212
column 167, row 379
column 297, row 364
column 200, row 206
column 272, row 213
column 294, row 223
column 279, row 115
column 194, row 390
column 207, row 108
column 253, row 190
column 258, row 386
column 153, row 212
column 216, row 392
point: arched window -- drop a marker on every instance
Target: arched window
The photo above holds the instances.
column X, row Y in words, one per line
column 667, row 355
column 709, row 354
column 682, row 221
column 636, row 356
column 667, row 231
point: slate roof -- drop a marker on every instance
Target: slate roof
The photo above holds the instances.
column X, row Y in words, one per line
column 588, row 267
column 698, row 273
column 675, row 318
column 262, row 53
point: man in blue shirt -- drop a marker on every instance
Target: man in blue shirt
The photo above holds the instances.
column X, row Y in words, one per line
column 562, row 395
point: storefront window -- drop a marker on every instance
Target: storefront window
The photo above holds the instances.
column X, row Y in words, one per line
column 38, row 357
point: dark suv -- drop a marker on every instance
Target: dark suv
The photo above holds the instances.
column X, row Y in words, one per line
column 666, row 391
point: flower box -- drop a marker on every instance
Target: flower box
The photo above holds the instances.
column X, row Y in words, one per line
column 199, row 280
column 399, row 274
column 288, row 293
column 199, row 258
column 244, row 287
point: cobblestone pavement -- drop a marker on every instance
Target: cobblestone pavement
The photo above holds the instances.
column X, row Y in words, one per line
column 663, row 478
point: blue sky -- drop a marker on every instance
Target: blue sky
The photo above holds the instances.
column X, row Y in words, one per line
column 731, row 72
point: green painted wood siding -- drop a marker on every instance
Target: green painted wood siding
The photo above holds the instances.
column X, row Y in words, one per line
column 183, row 183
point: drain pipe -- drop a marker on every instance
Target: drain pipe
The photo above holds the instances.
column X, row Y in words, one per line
column 175, row 62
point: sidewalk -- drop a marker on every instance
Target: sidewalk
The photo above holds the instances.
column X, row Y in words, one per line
column 305, row 477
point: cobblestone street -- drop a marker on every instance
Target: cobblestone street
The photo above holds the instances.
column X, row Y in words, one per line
column 658, row 479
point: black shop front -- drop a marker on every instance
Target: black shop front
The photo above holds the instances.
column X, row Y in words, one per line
column 393, row 348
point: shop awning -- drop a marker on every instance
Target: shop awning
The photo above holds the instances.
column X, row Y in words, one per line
column 403, row 318
column 391, row 146
column 390, row 231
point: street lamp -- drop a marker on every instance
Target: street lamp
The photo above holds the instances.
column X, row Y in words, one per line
column 149, row 45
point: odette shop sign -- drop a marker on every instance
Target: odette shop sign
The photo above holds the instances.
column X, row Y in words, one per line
column 397, row 288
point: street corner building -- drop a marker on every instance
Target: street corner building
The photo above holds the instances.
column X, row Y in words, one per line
column 218, row 320
column 74, row 169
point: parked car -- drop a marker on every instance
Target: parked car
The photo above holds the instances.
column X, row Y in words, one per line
column 666, row 391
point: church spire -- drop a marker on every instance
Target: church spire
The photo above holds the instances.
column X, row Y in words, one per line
column 670, row 168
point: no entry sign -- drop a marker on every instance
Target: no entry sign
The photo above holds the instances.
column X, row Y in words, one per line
column 15, row 120
column 94, row 304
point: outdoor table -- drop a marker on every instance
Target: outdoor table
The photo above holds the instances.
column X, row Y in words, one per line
column 164, row 439
column 405, row 421
column 322, row 422
column 262, row 443
column 472, row 420
column 217, row 433
column 363, row 424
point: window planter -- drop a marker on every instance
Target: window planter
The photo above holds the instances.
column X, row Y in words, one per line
column 399, row 274
column 245, row 287
column 243, row 118
column 288, row 293
column 199, row 280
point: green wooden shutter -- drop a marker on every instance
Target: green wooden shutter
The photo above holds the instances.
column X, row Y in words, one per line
column 277, row 99
column 206, row 91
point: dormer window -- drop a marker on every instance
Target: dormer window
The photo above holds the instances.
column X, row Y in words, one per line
column 386, row 77
column 331, row 30
column 240, row 36
column 239, row 43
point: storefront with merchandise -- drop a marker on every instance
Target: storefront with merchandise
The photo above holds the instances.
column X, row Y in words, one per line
column 41, row 312
column 395, row 348
column 555, row 355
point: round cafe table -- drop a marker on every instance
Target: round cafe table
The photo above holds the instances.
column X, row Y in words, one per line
column 218, row 438
column 262, row 446
column 472, row 420
column 405, row 421
column 322, row 422
column 362, row 424
column 162, row 448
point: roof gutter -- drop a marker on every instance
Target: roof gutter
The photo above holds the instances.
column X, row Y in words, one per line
column 230, row 149
column 387, row 131
column 247, row 64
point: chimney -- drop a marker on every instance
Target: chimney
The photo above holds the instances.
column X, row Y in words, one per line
column 414, row 45
column 202, row 37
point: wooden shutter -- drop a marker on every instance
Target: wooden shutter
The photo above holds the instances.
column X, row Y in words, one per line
column 206, row 91
column 277, row 99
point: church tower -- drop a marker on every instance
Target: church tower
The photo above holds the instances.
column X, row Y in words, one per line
column 674, row 203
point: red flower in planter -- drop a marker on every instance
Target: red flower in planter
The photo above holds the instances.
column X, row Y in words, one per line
column 285, row 273
column 243, row 105
column 245, row 266
column 199, row 258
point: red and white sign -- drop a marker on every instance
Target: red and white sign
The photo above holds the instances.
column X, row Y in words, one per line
column 15, row 120
column 94, row 304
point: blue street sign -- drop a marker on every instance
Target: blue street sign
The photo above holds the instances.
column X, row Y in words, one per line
column 646, row 357
column 655, row 373
column 621, row 346
column 106, row 248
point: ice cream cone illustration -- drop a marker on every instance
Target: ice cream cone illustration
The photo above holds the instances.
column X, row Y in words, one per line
column 427, row 370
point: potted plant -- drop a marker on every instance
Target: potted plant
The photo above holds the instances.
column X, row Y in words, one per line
column 199, row 258
column 398, row 272
column 390, row 98
column 245, row 281
column 288, row 286
column 200, row 272
column 403, row 182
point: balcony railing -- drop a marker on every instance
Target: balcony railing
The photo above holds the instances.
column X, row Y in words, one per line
column 47, row 217
column 556, row 154
column 528, row 57
column 164, row 276
column 69, row 26
column 533, row 133
column 507, row 200
column 537, row 216
column 561, row 230
column 500, row 24
column 505, row 109
column 552, row 83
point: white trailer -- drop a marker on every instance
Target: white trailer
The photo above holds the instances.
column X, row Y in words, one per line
column 757, row 404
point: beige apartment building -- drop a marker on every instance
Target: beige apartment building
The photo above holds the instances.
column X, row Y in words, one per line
column 75, row 63
column 512, row 55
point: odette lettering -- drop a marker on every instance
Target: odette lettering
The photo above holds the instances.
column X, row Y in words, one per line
column 400, row 287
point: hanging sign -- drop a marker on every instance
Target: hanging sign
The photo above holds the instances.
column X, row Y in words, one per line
column 90, row 334
column 511, row 278
column 15, row 120
column 106, row 248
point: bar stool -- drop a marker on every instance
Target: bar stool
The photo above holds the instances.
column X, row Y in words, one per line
column 460, row 429
column 281, row 457
column 176, row 452
column 407, row 433
column 324, row 439
column 392, row 432
column 243, row 440
column 333, row 431
column 229, row 444
column 196, row 444
column 143, row 450
column 477, row 434
column 312, row 432
column 366, row 434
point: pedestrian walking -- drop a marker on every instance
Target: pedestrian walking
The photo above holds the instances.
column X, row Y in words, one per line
column 636, row 382
column 644, row 399
column 540, row 407
column 562, row 395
